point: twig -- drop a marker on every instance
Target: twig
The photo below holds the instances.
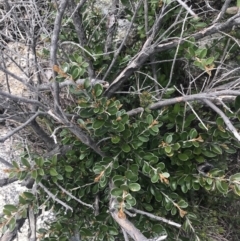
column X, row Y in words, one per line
column 3, row 161
column 54, row 197
column 200, row 96
column 53, row 52
column 32, row 223
column 111, row 25
column 54, row 133
column 135, row 111
column 223, row 10
column 184, row 5
column 6, row 181
column 9, row 134
column 73, row 197
column 157, row 218
column 123, row 42
column 146, row 52
column 224, row 117
column 174, row 59
column 22, row 99
column 78, row 24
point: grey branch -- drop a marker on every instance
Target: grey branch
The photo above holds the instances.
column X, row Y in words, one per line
column 157, row 218
column 22, row 99
column 9, row 134
column 214, row 96
column 149, row 50
column 54, row 197
column 224, row 117
column 73, row 197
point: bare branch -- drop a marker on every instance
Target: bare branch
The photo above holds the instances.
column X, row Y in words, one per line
column 77, row 20
column 157, row 218
column 2, row 139
column 6, row 163
column 73, row 197
column 111, row 26
column 53, row 51
column 54, row 197
column 123, row 41
column 201, row 96
column 223, row 10
column 224, row 117
column 147, row 51
column 184, row 5
column 6, row 181
column 22, row 99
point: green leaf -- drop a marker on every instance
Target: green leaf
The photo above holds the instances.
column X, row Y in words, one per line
column 87, row 84
column 34, row 174
column 22, row 175
column 193, row 133
column 182, row 204
column 168, row 149
column 112, row 110
column 222, row 186
column 75, row 72
column 203, row 53
column 160, row 166
column 154, row 178
column 10, row 208
column 54, row 160
column 39, row 161
column 85, row 232
column 135, row 187
column 98, row 89
column 117, row 192
column 219, row 121
column 53, row 172
column 235, row 177
column 149, row 119
column 112, row 231
column 132, row 201
column 28, row 195
column 208, row 153
column 148, row 207
column 15, row 164
column 209, row 60
column 98, row 123
column 12, row 224
column 200, row 25
column 25, row 162
column 184, row 188
column 146, row 168
column 183, row 157
column 86, row 113
column 126, row 134
column 237, row 189
column 168, row 139
column 155, row 129
column 158, row 196
column 158, row 228
column 216, row 149
column 22, row 200
column 126, row 148
column 115, row 139
column 68, row 168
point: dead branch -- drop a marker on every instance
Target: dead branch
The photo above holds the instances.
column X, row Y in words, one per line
column 149, row 50
column 224, row 117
